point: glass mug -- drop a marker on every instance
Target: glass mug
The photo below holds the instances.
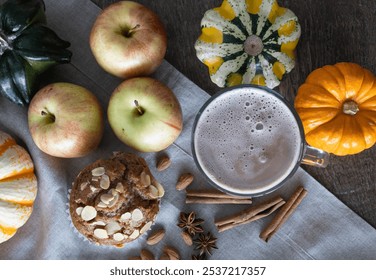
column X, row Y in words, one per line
column 248, row 140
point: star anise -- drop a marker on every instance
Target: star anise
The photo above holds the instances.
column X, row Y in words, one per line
column 199, row 257
column 190, row 223
column 205, row 243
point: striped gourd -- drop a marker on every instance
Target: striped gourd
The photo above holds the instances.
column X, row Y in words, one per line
column 248, row 42
column 18, row 186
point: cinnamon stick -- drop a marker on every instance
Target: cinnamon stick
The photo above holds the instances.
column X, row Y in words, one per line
column 249, row 215
column 212, row 194
column 283, row 214
column 214, row 197
column 213, row 200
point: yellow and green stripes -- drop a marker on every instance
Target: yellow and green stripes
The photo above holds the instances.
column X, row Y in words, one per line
column 224, row 31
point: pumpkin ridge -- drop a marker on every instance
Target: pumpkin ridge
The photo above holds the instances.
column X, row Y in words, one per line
column 245, row 18
column 283, row 58
column 270, row 77
column 232, row 56
column 315, row 99
column 311, row 124
column 369, row 104
column 265, row 29
column 227, row 68
column 329, row 73
column 348, row 75
column 250, row 70
column 9, row 142
column 272, row 40
column 214, row 20
column 360, row 142
column 238, row 23
column 226, row 10
column 24, row 203
column 19, row 172
column 206, row 51
column 10, row 231
column 24, row 175
column 338, row 130
column 363, row 95
column 322, row 87
column 265, row 10
column 241, row 71
column 369, row 131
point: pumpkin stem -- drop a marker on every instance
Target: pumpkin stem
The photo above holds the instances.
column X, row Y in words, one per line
column 350, row 107
column 253, row 45
column 138, row 107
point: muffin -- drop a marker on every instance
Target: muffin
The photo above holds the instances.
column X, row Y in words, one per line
column 114, row 201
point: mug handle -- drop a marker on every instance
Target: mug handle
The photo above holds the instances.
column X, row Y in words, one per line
column 315, row 157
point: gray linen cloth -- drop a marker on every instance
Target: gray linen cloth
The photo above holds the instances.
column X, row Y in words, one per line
column 322, row 227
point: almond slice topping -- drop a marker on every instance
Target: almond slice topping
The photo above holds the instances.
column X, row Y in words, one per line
column 100, row 233
column 112, row 227
column 146, row 227
column 83, row 185
column 105, row 182
column 98, row 223
column 160, row 188
column 137, row 215
column 145, row 179
column 99, row 171
column 101, row 205
column 125, row 217
column 113, row 192
column 153, row 191
column 79, row 210
column 118, row 236
column 106, row 198
column 88, row 213
column 119, row 187
column 135, row 234
column 114, row 201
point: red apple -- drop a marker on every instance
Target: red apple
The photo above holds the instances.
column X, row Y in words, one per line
column 145, row 114
column 65, row 120
column 128, row 40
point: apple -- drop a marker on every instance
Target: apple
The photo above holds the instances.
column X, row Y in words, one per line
column 65, row 120
column 145, row 114
column 128, row 40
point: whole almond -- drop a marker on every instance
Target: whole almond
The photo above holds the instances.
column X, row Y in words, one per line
column 187, row 238
column 163, row 163
column 146, row 255
column 171, row 252
column 156, row 236
column 184, row 181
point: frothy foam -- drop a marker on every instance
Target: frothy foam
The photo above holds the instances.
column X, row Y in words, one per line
column 247, row 141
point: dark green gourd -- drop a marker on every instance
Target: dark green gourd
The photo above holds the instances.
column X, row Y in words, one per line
column 27, row 48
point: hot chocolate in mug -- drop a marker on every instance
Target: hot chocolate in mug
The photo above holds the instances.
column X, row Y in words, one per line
column 248, row 140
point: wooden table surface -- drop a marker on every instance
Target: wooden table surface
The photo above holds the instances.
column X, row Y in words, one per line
column 332, row 31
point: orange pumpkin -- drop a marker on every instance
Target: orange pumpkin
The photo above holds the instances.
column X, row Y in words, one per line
column 18, row 186
column 337, row 106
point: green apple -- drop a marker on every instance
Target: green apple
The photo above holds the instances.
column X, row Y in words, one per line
column 128, row 40
column 65, row 120
column 145, row 114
